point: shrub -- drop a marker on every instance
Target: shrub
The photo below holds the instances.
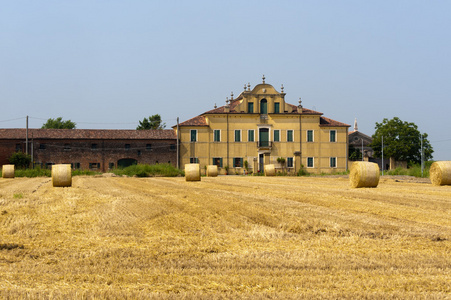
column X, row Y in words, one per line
column 142, row 170
column 20, row 160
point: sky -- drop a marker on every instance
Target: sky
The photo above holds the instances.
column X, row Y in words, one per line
column 107, row 64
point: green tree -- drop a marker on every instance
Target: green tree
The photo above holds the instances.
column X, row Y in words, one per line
column 153, row 122
column 402, row 141
column 58, row 123
column 20, row 160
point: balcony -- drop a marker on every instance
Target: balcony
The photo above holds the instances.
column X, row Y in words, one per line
column 262, row 145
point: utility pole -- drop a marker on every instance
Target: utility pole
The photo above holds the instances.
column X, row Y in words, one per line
column 422, row 156
column 362, row 149
column 382, row 155
column 178, row 144
column 26, row 139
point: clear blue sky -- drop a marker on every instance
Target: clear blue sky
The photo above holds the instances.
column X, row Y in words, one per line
column 109, row 64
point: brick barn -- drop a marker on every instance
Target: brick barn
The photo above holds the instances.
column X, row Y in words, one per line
column 90, row 148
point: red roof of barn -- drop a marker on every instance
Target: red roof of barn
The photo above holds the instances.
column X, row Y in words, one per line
column 107, row 134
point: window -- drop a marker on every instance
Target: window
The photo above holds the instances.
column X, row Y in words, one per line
column 250, row 135
column 111, row 165
column 289, row 135
column 18, row 147
column 333, row 135
column 49, row 165
column 193, row 135
column 276, row 107
column 263, row 106
column 193, row 160
column 217, row 135
column 217, row 161
column 42, row 146
column 77, row 165
column 309, row 162
column 139, row 152
column 237, row 162
column 148, row 146
column 237, row 135
column 309, row 135
column 93, row 146
column 289, row 162
column 94, row 166
column 276, row 135
column 250, row 107
column 67, row 147
column 333, row 162
column 127, row 146
column 172, row 147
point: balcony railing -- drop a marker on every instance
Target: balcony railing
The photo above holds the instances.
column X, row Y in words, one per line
column 264, row 144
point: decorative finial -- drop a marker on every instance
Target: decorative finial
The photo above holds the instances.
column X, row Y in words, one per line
column 248, row 86
column 215, row 106
column 227, row 100
column 355, row 125
column 282, row 88
column 263, row 78
column 244, row 87
column 231, row 96
column 300, row 102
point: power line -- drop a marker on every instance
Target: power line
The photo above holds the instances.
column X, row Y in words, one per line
column 13, row 119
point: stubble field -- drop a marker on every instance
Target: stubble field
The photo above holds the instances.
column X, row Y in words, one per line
column 224, row 237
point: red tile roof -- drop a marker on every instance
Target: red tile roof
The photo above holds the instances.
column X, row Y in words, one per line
column 108, row 134
column 326, row 122
column 196, row 121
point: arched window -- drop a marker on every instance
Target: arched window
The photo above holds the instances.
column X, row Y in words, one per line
column 263, row 106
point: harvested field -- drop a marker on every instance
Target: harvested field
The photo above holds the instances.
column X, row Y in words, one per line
column 224, row 237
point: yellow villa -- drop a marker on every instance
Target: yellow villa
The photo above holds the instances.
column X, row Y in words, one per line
column 259, row 128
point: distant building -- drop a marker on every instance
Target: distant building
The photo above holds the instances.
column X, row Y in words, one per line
column 258, row 127
column 360, row 141
column 91, row 149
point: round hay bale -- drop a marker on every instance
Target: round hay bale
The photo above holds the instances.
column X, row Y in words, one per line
column 364, row 174
column 61, row 175
column 212, row 171
column 192, row 172
column 8, row 171
column 440, row 173
column 270, row 170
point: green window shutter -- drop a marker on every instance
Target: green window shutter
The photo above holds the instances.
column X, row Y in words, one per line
column 289, row 135
column 276, row 135
column 193, row 135
column 309, row 135
column 310, row 162
column 237, row 136
column 250, row 107
column 332, row 135
column 220, row 164
column 250, row 136
column 276, row 107
column 217, row 135
column 263, row 106
column 241, row 162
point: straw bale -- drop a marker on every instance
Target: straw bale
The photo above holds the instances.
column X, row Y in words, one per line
column 440, row 173
column 8, row 171
column 364, row 174
column 270, row 170
column 212, row 171
column 61, row 175
column 192, row 172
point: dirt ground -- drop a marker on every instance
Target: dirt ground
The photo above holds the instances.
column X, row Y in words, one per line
column 228, row 237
